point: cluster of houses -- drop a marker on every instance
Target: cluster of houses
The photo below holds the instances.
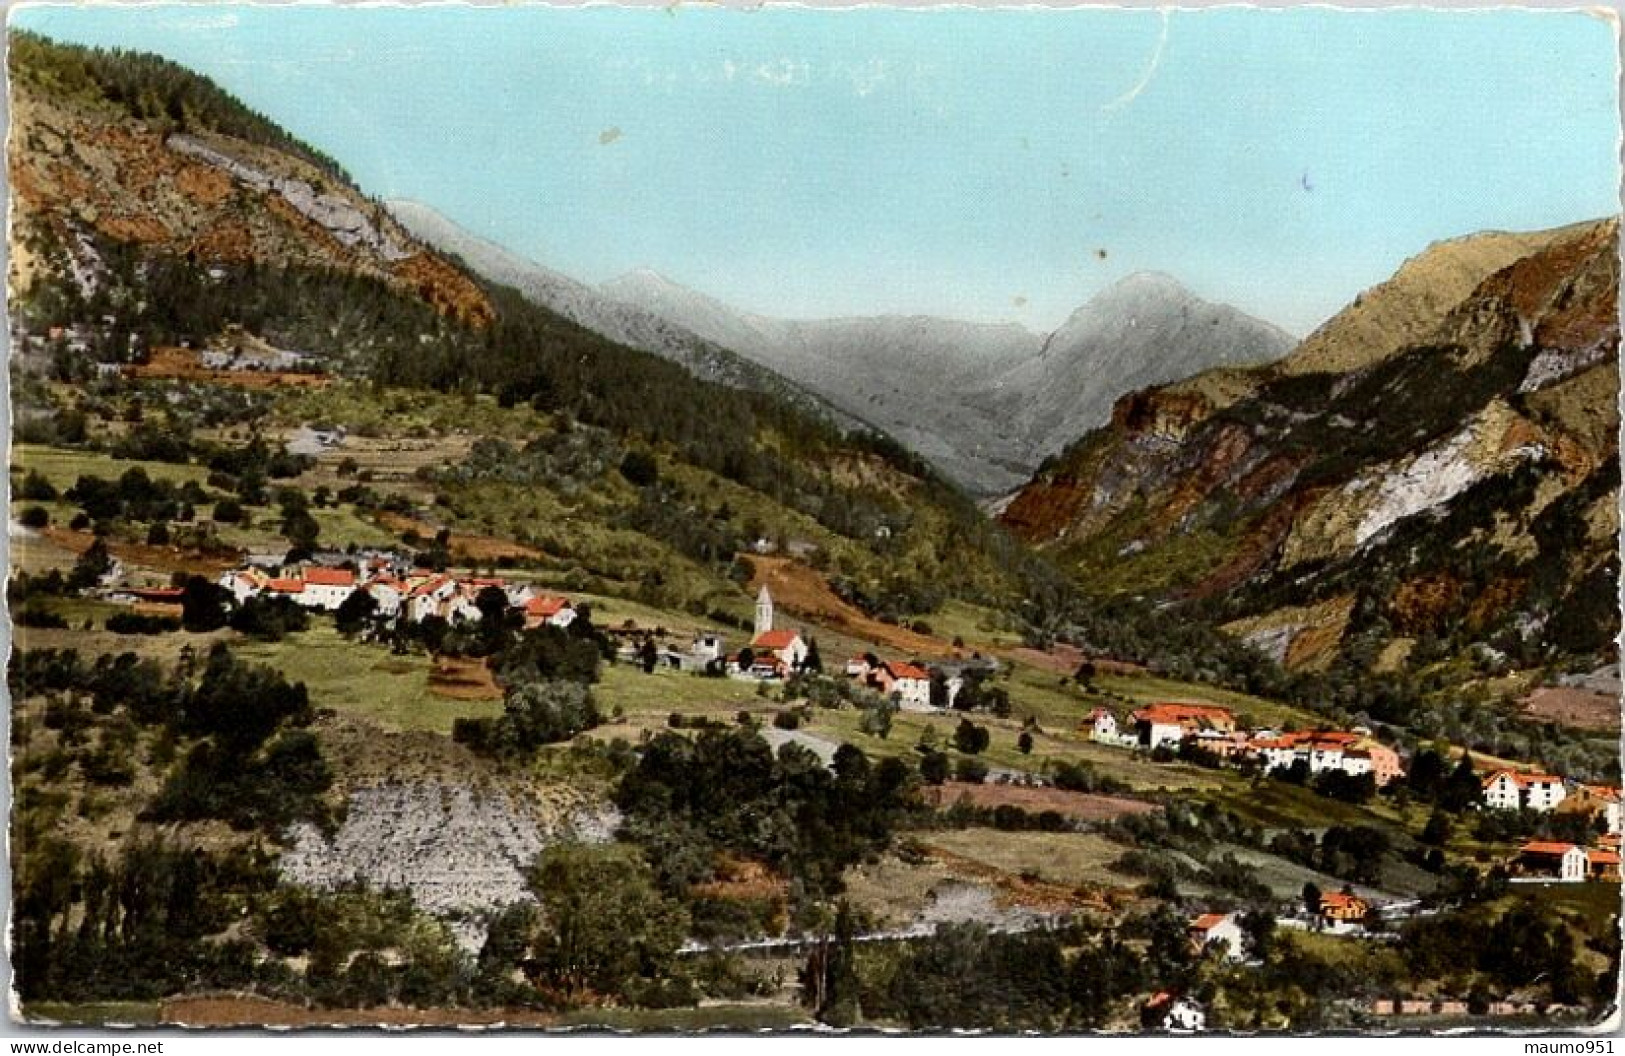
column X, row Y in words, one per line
column 409, row 594
column 1214, row 729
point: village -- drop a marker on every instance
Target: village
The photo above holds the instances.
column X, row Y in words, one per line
column 395, row 591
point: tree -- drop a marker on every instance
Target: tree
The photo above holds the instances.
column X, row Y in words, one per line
column 648, row 656
column 640, row 469
column 538, row 713
column 1024, row 743
column 355, row 612
column 91, row 566
column 1462, row 788
column 813, row 662
column 35, row 517
column 1436, row 833
column 228, row 511
column 1311, row 898
column 971, row 770
column 934, row 768
column 203, row 605
column 606, row 923
column 1257, row 933
column 970, row 738
column 829, row 981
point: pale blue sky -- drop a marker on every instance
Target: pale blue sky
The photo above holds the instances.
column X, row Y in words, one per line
column 963, row 163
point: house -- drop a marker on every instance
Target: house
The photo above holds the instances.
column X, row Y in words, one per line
column 1341, row 912
column 386, row 592
column 1603, row 865
column 1596, row 801
column 429, row 597
column 243, row 583
column 550, row 611
column 1101, row 724
column 706, row 648
column 908, row 683
column 1160, row 724
column 1511, row 790
column 327, row 588
column 1385, row 765
column 1219, row 931
column 1546, row 859
column 1181, row 1015
column 290, row 587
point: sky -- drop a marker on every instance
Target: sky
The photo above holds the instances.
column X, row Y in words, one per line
column 986, row 165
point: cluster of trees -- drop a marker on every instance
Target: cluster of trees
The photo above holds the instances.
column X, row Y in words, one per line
column 1523, row 945
column 687, row 800
column 89, row 928
column 968, row 977
column 249, row 761
column 547, row 673
column 1353, row 852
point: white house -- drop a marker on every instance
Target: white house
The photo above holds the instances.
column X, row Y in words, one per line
column 429, row 598
column 549, row 610
column 1218, row 931
column 1564, row 862
column 1184, row 1016
column 387, row 593
column 327, row 588
column 911, row 685
column 1510, row 790
column 1102, row 725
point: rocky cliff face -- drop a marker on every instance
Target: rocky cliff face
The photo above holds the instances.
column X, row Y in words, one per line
column 461, row 851
column 82, row 166
column 1469, row 444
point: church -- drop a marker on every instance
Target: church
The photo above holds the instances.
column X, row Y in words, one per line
column 787, row 647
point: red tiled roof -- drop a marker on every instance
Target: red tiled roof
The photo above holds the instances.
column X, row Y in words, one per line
column 1207, row 921
column 1338, row 900
column 774, row 640
column 546, row 606
column 909, row 671
column 1603, row 857
column 330, row 577
column 1603, row 792
column 285, row 586
column 1546, row 847
column 1173, row 713
column 1523, row 779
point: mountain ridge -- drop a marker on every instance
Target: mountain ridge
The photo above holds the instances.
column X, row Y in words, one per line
column 1391, row 493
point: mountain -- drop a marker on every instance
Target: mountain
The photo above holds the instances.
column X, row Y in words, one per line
column 1434, row 472
column 197, row 175
column 1145, row 330
column 985, row 403
column 620, row 322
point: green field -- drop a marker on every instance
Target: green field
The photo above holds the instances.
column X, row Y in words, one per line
column 648, row 699
column 63, row 467
column 364, row 680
